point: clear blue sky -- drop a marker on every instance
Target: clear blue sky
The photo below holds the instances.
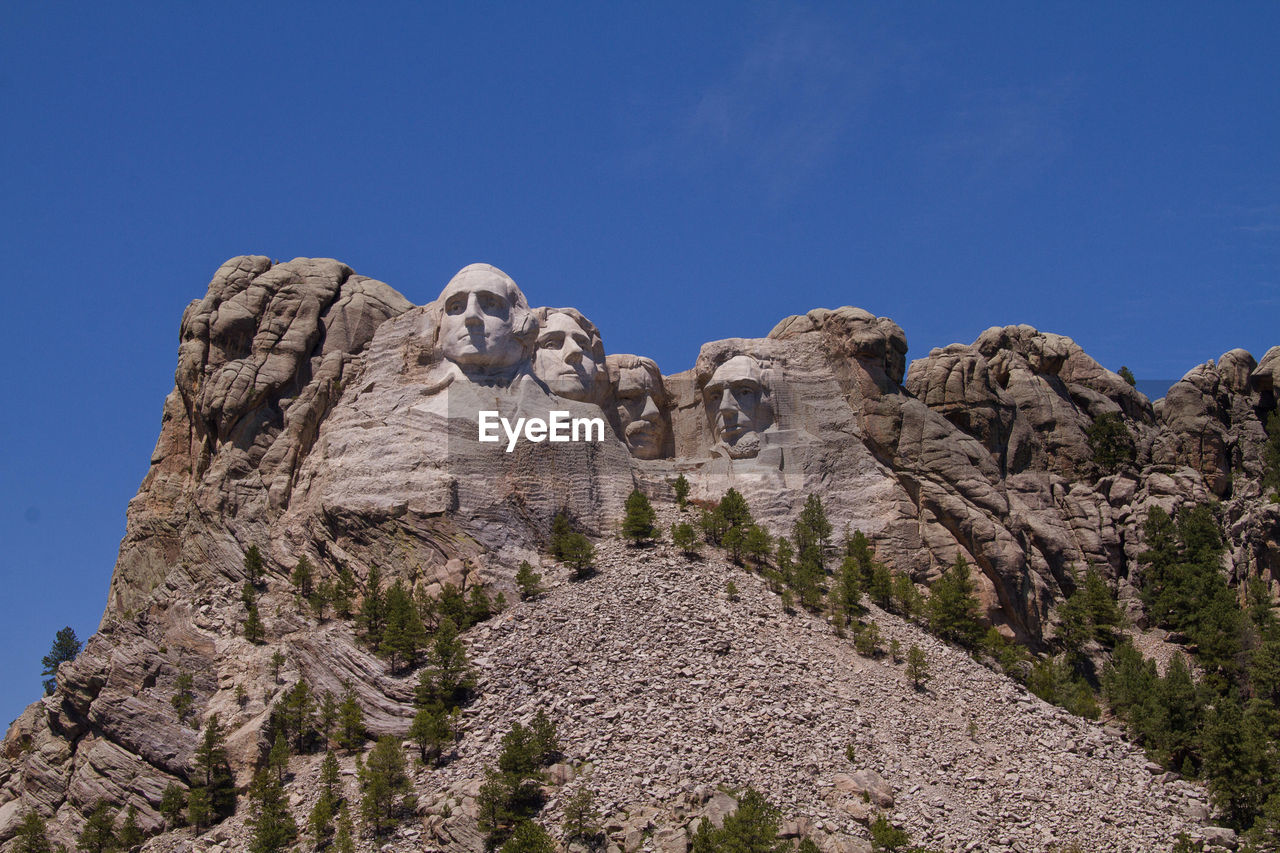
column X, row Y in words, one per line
column 680, row 172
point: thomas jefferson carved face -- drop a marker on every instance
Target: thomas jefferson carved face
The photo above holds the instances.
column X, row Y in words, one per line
column 641, row 399
column 737, row 404
column 569, row 357
column 483, row 317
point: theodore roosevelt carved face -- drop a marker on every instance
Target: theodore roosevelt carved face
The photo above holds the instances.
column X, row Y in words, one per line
column 641, row 402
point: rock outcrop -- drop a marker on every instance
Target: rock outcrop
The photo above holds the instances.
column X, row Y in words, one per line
column 319, row 414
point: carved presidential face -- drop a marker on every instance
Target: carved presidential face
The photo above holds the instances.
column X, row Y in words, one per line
column 641, row 399
column 737, row 405
column 569, row 358
column 480, row 317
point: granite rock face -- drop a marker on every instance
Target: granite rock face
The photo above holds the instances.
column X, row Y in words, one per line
column 318, row 413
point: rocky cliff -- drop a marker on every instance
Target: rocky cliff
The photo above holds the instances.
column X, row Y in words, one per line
column 318, row 413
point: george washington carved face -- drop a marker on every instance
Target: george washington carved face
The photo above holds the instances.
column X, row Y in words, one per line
column 485, row 324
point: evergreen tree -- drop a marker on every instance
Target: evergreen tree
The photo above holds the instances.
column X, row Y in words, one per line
column 733, row 507
column 528, row 580
column 880, row 587
column 344, row 840
column 199, row 809
column 373, row 612
column 953, row 606
column 253, row 564
column 681, row 488
column 713, row 524
column 784, row 554
column 813, row 519
column 351, row 732
column 131, row 834
column 270, row 820
column 253, row 629
column 344, row 590
column 885, row 836
column 858, row 547
column 1110, row 441
column 905, row 598
column 172, row 804
column 296, row 709
column 278, row 660
column 758, row 544
column 638, row 524
column 183, row 696
column 529, row 837
column 384, row 785
column 1238, row 765
column 581, row 819
column 446, row 680
column 734, row 541
column 578, row 554
column 278, row 757
column 432, row 730
column 99, row 835
column 320, row 820
column 561, row 528
column 212, row 768
column 751, row 828
column 1127, row 375
column 302, row 577
column 849, row 588
column 917, row 666
column 479, row 608
column 32, row 835
column 65, row 648
column 327, row 716
column 403, row 635
column 544, row 741
column 684, row 538
column 494, row 815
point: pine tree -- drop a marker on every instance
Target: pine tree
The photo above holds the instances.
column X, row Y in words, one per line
column 383, row 785
column 546, row 744
column 253, row 629
column 320, row 820
column 98, row 835
column 561, row 528
column 302, row 577
column 758, row 544
column 734, row 541
column 432, row 730
column 581, row 818
column 859, row 548
column 183, row 696
column 253, row 564
column 578, row 554
column 813, row 519
column 917, row 666
column 1110, row 441
column 296, row 708
column 172, row 804
column 529, row 837
column 351, row 732
column 733, row 507
column 131, row 834
column 344, row 840
column 447, row 677
column 905, row 598
column 953, row 606
column 273, row 826
column 684, row 538
column 33, row 835
column 880, row 587
column 849, row 588
column 638, row 523
column 1127, row 375
column 479, row 607
column 373, row 610
column 887, row 837
column 681, row 488
column 751, row 828
column 528, row 581
column 344, row 590
column 278, row 758
column 713, row 524
column 278, row 660
column 65, row 648
column 403, row 635
column 327, row 717
column 212, row 768
column 784, row 554
column 199, row 809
